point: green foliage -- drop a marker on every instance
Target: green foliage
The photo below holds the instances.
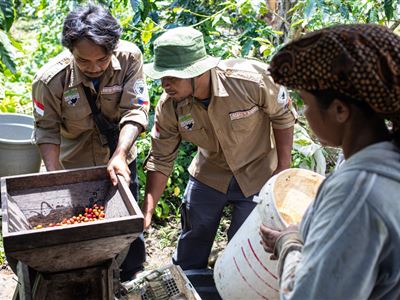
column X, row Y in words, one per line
column 320, row 13
column 7, row 14
column 231, row 29
column 7, row 53
column 7, row 50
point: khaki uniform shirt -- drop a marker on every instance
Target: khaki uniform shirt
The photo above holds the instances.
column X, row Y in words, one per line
column 233, row 134
column 63, row 115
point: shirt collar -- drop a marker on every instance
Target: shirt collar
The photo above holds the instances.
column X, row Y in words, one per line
column 77, row 77
column 217, row 86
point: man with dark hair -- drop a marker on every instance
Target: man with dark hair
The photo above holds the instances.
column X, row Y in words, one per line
column 229, row 109
column 100, row 76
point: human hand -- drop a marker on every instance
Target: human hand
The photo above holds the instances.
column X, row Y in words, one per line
column 270, row 236
column 118, row 165
column 147, row 220
column 268, row 239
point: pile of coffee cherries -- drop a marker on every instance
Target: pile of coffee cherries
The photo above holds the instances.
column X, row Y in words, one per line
column 94, row 213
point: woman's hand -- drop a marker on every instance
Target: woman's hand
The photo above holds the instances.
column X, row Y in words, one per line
column 268, row 239
column 270, row 236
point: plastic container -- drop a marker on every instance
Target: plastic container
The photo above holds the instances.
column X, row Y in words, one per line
column 18, row 153
column 244, row 270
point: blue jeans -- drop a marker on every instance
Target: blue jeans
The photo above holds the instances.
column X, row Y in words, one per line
column 201, row 212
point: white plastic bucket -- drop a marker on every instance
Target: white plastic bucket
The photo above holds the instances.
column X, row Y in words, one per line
column 244, row 270
column 18, row 153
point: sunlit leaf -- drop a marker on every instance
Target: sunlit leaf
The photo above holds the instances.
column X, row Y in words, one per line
column 158, row 211
column 262, row 40
column 7, row 52
column 216, row 19
column 177, row 10
column 147, row 33
column 177, row 191
column 264, row 48
column 226, row 20
column 298, row 22
column 8, row 12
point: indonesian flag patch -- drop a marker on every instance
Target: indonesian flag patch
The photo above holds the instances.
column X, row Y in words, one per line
column 39, row 107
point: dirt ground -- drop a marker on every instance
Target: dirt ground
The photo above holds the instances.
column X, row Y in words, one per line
column 160, row 245
column 8, row 282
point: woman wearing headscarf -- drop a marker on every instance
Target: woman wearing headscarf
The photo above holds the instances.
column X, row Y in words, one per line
column 348, row 243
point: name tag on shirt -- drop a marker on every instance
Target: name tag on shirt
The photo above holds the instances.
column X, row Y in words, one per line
column 107, row 90
column 243, row 114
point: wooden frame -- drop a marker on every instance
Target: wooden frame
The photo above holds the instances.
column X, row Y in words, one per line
column 58, row 194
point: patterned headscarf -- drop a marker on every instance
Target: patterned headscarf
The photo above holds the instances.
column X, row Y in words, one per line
column 361, row 61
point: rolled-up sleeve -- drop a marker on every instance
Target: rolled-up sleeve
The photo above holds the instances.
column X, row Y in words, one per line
column 276, row 103
column 135, row 102
column 47, row 114
column 165, row 139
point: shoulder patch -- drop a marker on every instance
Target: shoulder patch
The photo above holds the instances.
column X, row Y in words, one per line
column 244, row 75
column 283, row 96
column 53, row 67
column 57, row 68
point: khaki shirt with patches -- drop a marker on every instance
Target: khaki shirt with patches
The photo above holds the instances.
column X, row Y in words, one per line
column 62, row 112
column 233, row 135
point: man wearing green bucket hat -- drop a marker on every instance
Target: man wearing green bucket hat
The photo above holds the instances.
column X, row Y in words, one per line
column 227, row 109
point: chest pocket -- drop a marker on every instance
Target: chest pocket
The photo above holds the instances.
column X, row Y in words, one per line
column 246, row 120
column 110, row 104
column 199, row 137
column 76, row 117
column 75, row 109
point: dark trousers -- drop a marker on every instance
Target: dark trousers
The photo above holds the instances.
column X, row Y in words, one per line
column 137, row 253
column 201, row 213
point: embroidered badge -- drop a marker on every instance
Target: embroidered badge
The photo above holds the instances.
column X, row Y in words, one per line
column 283, row 97
column 243, row 113
column 39, row 107
column 71, row 96
column 155, row 132
column 139, row 87
column 186, row 122
column 107, row 90
column 139, row 101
